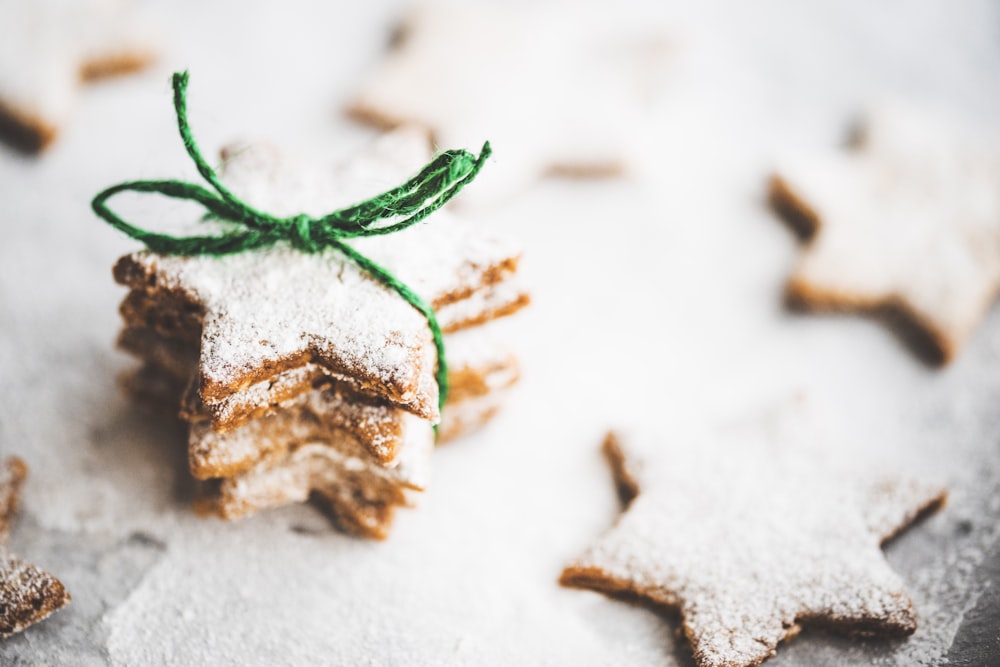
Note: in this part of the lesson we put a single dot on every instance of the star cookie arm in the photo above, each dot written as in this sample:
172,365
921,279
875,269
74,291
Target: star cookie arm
839,268
891,504
27,594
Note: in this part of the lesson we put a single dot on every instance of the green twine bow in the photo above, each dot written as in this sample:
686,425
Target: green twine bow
435,184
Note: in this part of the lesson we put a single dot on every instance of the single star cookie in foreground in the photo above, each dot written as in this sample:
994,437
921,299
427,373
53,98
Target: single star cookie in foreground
27,594
556,94
48,48
750,541
905,222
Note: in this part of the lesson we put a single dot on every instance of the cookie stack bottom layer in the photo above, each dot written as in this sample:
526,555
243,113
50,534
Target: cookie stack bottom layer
274,443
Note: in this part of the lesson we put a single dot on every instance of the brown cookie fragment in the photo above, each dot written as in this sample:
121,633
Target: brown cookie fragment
27,593
750,541
12,476
904,224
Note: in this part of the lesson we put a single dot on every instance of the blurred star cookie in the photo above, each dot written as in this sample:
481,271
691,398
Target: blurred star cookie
27,594
749,541
554,95
905,221
48,48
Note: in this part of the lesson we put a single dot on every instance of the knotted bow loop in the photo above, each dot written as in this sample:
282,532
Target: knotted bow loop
249,229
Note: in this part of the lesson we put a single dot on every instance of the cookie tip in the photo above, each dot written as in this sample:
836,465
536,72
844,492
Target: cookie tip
792,209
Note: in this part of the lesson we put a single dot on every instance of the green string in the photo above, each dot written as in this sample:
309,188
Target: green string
440,180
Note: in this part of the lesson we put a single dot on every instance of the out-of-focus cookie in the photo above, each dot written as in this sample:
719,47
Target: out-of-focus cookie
750,541
48,48
27,593
553,94
904,222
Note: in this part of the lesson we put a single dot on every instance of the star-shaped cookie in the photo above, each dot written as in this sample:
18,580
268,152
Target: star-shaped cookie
27,594
48,48
278,310
905,221
749,541
552,94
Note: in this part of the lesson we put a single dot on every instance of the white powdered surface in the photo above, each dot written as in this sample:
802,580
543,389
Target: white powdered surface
654,297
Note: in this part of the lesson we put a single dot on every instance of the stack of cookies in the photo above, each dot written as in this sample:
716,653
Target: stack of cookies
301,376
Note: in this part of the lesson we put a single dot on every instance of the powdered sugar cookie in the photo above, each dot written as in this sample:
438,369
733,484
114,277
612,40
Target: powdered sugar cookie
27,594
47,48
331,313
310,338
749,541
360,424
906,220
557,95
